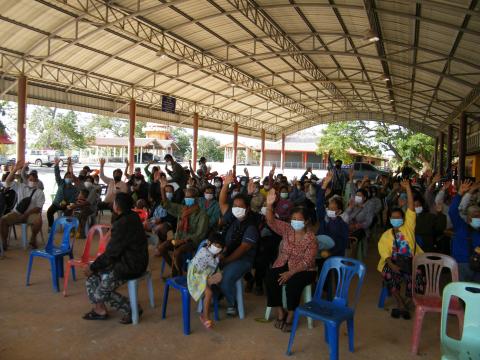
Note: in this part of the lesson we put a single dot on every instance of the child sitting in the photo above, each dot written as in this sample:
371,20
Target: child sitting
202,277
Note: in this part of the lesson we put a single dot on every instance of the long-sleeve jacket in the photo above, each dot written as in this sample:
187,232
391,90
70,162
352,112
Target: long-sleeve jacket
127,251
67,193
178,175
112,187
465,238
362,215
197,222
212,208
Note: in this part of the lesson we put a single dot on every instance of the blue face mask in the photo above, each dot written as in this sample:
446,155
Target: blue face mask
68,181
189,201
169,195
475,223
396,223
297,224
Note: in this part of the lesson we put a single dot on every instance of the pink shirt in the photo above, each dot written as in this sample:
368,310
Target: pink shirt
299,253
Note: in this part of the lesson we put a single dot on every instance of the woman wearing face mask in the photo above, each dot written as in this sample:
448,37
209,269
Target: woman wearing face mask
192,226
397,247
360,214
218,183
66,194
210,205
295,264
466,238
138,187
241,237
284,206
430,225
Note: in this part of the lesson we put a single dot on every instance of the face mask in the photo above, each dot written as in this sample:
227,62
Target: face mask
297,224
331,214
266,187
358,199
264,211
117,178
68,181
239,212
299,188
419,210
189,201
243,183
284,195
475,223
234,193
169,163
208,196
214,250
169,195
88,184
138,182
396,223
32,184
189,186
218,184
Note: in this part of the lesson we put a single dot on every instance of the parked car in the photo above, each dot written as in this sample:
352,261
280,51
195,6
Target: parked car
364,169
5,160
146,157
40,157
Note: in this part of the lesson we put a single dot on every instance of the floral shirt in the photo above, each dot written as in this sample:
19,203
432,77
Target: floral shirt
300,254
400,246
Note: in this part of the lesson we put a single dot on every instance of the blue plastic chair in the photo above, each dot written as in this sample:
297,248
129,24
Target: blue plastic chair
383,296
54,253
179,283
238,297
133,292
334,312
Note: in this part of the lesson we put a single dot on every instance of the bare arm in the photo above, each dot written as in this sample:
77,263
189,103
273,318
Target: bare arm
408,188
104,178
223,199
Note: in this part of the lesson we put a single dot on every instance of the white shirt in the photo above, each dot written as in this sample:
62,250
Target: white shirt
23,191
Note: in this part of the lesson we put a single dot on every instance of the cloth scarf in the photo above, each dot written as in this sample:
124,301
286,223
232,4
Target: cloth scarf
186,212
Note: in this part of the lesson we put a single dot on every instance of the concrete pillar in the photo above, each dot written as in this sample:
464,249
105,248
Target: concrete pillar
21,117
282,155
262,154
131,135
305,158
141,155
441,158
449,147
195,141
462,146
235,143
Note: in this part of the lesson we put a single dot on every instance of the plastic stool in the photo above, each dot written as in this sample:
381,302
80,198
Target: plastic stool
307,297
133,291
383,296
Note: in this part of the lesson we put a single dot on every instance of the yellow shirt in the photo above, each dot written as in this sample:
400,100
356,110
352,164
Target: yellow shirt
385,243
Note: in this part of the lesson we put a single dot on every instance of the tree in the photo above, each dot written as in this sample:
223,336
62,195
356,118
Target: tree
58,131
372,138
115,127
183,141
209,147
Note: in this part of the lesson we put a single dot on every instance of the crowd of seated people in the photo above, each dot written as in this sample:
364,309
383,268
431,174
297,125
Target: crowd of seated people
273,233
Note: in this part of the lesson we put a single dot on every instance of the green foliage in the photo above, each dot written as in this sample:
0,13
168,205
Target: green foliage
209,147
115,127
183,140
371,138
58,131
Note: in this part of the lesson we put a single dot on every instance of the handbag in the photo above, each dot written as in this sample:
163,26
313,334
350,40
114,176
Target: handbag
404,262
23,204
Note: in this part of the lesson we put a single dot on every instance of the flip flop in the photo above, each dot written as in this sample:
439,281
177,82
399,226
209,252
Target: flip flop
92,315
287,327
279,323
406,315
208,324
396,313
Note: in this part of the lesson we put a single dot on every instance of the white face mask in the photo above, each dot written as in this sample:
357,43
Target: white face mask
358,199
189,186
208,196
419,210
243,183
214,250
169,195
169,163
331,214
32,184
264,211
88,185
234,193
284,195
218,184
266,187
239,212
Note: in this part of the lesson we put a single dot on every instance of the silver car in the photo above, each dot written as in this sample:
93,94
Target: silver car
365,169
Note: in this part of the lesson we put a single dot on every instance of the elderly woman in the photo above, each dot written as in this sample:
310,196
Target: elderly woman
295,265
397,247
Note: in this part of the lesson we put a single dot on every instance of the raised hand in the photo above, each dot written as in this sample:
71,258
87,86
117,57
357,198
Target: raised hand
102,162
69,160
245,171
56,161
250,187
309,169
446,185
465,186
19,165
228,178
475,187
405,184
271,197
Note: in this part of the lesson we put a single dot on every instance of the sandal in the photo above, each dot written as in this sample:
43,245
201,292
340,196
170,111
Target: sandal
127,318
406,314
287,327
92,315
396,313
208,324
279,323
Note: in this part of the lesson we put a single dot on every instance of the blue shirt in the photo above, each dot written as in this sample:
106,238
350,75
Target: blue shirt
250,235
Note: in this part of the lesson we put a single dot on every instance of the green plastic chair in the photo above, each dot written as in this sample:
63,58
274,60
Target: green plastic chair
468,347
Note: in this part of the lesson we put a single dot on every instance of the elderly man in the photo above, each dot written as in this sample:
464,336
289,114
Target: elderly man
114,186
30,200
125,258
192,227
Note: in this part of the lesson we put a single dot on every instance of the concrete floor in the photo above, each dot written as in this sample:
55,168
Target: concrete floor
37,323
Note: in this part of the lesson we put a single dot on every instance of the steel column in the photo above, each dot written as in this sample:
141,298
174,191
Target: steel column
235,143
22,117
435,156
195,141
131,135
449,147
282,155
262,154
441,157
462,146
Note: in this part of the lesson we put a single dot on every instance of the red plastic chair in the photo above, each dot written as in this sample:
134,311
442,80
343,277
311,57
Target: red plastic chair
431,300
143,214
104,236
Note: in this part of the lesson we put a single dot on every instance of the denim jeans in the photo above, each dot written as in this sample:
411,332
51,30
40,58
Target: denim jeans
230,274
467,274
